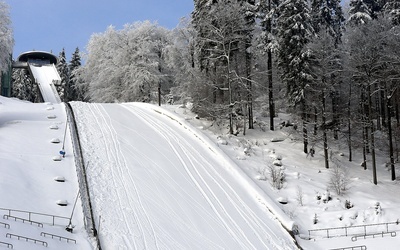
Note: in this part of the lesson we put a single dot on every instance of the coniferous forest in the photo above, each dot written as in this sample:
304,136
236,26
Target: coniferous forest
336,70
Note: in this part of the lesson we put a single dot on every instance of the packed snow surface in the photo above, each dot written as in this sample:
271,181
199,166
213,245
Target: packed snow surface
156,183
45,76
162,178
28,187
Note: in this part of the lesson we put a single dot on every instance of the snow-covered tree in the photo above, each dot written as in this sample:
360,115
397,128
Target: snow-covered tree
361,11
181,57
6,38
392,8
328,15
62,69
224,57
368,62
73,92
294,32
127,64
268,16
22,87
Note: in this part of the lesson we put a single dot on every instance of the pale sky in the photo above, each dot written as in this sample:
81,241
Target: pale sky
51,25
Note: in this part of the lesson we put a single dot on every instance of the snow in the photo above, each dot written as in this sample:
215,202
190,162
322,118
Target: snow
28,172
160,178
45,76
174,189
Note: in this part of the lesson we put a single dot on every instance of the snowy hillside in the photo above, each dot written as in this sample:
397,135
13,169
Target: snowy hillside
162,179
31,136
159,184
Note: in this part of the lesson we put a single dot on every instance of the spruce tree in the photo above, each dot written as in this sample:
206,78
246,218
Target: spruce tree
22,86
249,13
62,69
268,15
74,92
294,32
392,8
328,15
361,11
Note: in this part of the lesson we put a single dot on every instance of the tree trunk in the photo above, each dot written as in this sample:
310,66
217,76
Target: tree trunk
325,137
371,123
249,90
349,125
316,117
389,126
304,117
269,74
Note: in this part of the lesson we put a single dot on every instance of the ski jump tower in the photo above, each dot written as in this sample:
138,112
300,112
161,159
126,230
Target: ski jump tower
41,67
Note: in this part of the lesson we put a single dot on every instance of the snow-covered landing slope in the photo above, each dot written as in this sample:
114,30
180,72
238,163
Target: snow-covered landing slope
155,185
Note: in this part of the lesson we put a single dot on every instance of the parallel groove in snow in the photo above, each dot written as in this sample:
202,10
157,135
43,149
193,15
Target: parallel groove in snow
169,190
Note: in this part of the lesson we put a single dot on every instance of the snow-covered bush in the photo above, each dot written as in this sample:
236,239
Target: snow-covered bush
378,208
326,197
315,219
262,174
299,196
348,204
339,179
277,176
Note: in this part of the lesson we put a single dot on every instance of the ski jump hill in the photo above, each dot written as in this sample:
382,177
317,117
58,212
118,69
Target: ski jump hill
149,178
41,66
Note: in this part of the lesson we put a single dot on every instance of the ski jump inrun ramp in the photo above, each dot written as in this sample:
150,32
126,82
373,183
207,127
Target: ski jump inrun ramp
41,66
46,76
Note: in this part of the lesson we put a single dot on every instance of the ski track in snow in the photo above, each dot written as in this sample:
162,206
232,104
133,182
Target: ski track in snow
132,224
121,176
196,174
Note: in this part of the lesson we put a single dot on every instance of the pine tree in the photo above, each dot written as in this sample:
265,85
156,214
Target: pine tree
74,93
249,12
294,32
62,69
361,11
22,87
392,8
328,15
268,15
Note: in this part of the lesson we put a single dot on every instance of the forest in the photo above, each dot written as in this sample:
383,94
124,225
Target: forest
335,71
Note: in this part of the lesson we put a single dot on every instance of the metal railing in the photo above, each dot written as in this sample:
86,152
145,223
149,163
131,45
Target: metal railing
39,224
363,247
354,230
57,236
355,237
19,237
7,244
5,225
49,219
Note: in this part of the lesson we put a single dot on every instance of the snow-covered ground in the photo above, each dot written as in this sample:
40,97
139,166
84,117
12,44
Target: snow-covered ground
162,179
45,76
28,143
157,183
